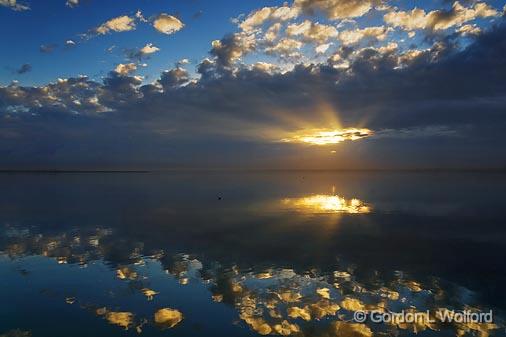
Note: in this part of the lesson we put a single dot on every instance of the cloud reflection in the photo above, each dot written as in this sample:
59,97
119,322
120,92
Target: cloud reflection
274,300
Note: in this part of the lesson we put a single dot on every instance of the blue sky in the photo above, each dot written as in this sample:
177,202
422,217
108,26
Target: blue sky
51,22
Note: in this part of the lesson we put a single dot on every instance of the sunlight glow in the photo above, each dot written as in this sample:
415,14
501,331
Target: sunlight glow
325,137
327,204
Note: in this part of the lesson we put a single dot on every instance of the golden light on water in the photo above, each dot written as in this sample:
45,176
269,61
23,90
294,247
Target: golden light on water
321,203
326,137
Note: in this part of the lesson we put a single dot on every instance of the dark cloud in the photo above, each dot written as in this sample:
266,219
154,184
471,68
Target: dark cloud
25,68
441,107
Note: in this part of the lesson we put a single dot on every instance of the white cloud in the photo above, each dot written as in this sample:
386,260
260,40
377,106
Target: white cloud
149,49
183,62
337,9
72,3
125,69
321,49
14,5
312,32
167,24
257,18
439,19
119,24
467,30
272,33
285,47
348,37
265,67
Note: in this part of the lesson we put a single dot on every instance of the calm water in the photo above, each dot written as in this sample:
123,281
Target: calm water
248,254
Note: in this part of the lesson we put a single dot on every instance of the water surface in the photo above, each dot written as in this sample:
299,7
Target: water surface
248,254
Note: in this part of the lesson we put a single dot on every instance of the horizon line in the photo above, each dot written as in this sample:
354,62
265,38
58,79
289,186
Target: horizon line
167,170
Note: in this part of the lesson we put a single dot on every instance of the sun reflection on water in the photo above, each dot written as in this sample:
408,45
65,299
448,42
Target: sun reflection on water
322,203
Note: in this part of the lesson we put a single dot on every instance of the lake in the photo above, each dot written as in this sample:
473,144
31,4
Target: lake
251,253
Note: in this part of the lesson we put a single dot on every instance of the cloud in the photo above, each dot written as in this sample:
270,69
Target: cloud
64,95
47,48
125,69
259,17
272,32
72,3
167,24
285,47
348,37
232,47
182,62
337,9
469,30
439,19
321,49
119,24
70,44
163,23
312,32
141,53
242,112
25,68
14,5
149,49
140,16
265,67
173,78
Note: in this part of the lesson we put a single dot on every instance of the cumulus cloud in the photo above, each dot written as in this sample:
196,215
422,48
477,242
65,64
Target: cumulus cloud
138,54
312,31
149,49
64,95
439,19
125,69
285,47
14,5
232,47
119,24
70,43
259,17
25,68
272,32
173,78
167,24
321,49
337,9
182,62
265,67
348,37
469,30
435,93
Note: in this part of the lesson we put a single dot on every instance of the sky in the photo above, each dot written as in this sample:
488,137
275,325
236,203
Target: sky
302,84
